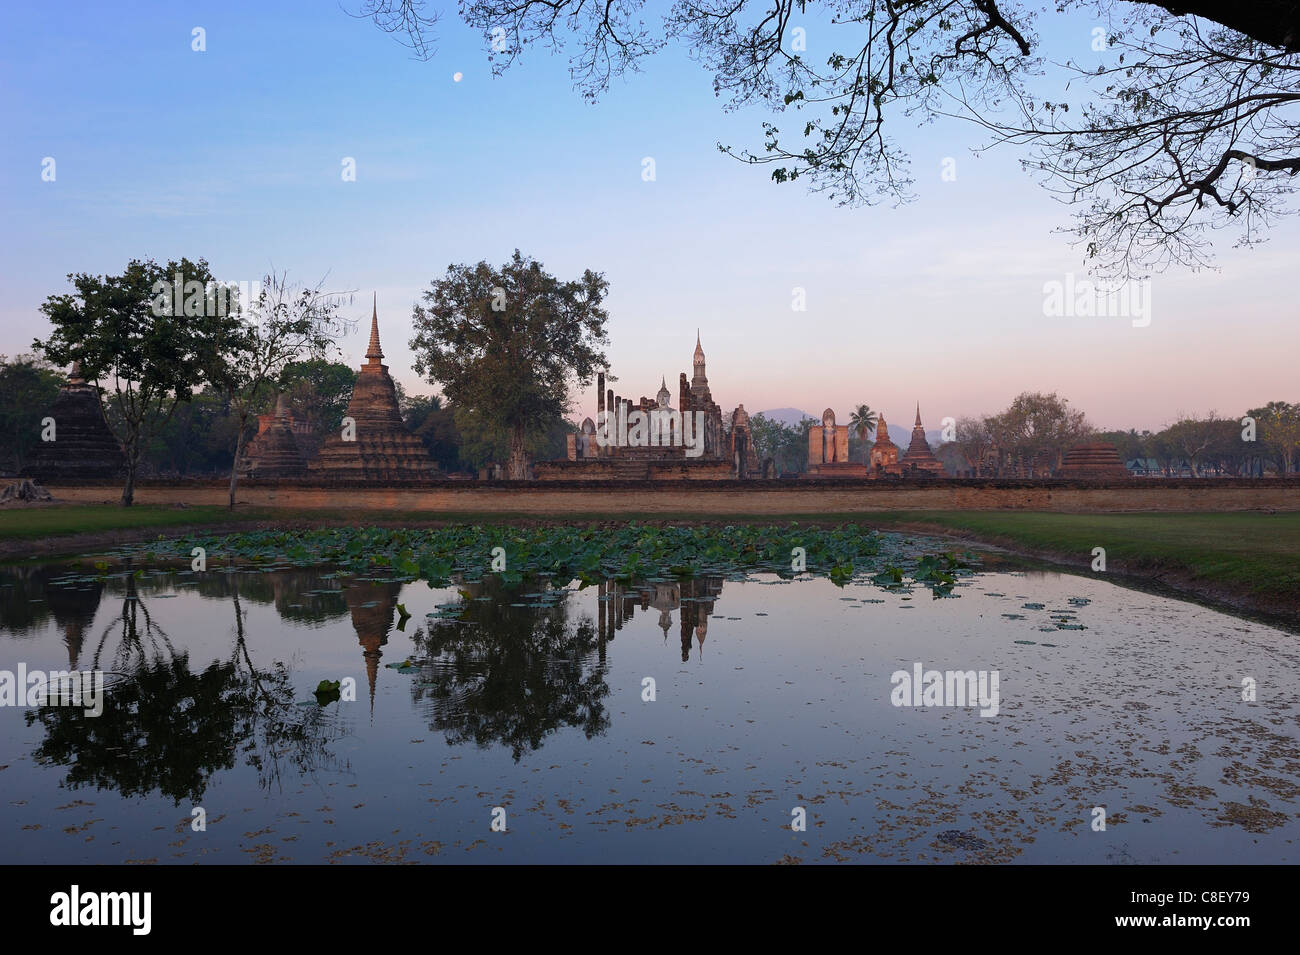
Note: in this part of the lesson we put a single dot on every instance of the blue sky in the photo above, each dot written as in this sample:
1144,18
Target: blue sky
235,153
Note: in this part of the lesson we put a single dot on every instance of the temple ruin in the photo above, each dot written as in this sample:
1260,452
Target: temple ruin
274,451
884,453
1098,461
650,439
828,451
83,447
919,460
373,444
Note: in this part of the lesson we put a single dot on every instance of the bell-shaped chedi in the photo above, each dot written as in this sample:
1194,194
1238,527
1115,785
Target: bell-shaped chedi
1098,461
83,446
274,452
375,446
919,459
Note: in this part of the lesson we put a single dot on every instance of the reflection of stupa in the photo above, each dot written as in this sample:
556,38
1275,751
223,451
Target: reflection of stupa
74,610
694,597
371,605
695,612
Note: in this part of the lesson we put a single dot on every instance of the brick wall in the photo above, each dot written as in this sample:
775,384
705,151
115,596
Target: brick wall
723,497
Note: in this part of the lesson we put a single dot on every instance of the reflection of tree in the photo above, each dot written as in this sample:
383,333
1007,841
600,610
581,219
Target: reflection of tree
285,729
510,675
301,595
168,729
135,627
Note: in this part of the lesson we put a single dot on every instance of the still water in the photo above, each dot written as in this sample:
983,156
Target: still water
773,701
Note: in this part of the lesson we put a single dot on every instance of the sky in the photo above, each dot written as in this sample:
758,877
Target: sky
235,154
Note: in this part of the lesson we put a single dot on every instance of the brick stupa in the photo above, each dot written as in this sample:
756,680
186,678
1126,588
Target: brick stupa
919,459
382,450
274,451
884,453
83,446
1096,462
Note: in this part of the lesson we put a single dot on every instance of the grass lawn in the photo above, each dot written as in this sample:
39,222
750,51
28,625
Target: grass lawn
35,522
1247,552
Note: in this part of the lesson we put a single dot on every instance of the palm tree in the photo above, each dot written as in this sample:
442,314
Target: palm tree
863,423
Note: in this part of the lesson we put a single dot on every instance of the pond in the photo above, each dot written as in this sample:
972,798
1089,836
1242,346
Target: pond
739,716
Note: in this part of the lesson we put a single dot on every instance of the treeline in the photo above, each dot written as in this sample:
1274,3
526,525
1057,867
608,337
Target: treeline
1031,437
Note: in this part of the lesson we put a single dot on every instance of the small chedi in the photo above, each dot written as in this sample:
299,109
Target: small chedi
919,461
884,453
650,439
274,451
377,447
83,446
828,451
1098,461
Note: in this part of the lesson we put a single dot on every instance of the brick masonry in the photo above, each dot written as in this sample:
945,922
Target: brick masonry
741,498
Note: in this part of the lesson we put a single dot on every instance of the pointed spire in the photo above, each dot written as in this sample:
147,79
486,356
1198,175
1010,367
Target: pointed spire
699,350
374,353
918,414
75,376
281,406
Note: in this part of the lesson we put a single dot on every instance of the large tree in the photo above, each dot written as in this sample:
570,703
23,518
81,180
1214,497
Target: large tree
150,336
507,344
1034,433
1193,438
1179,116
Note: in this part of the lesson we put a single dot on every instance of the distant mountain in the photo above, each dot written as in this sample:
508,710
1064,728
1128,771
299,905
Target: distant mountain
787,416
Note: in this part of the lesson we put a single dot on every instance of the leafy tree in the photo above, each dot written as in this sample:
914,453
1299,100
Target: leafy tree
1193,438
318,392
1161,447
480,442
155,332
974,442
1129,443
197,439
786,445
1278,427
1180,123
1034,433
28,386
506,344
